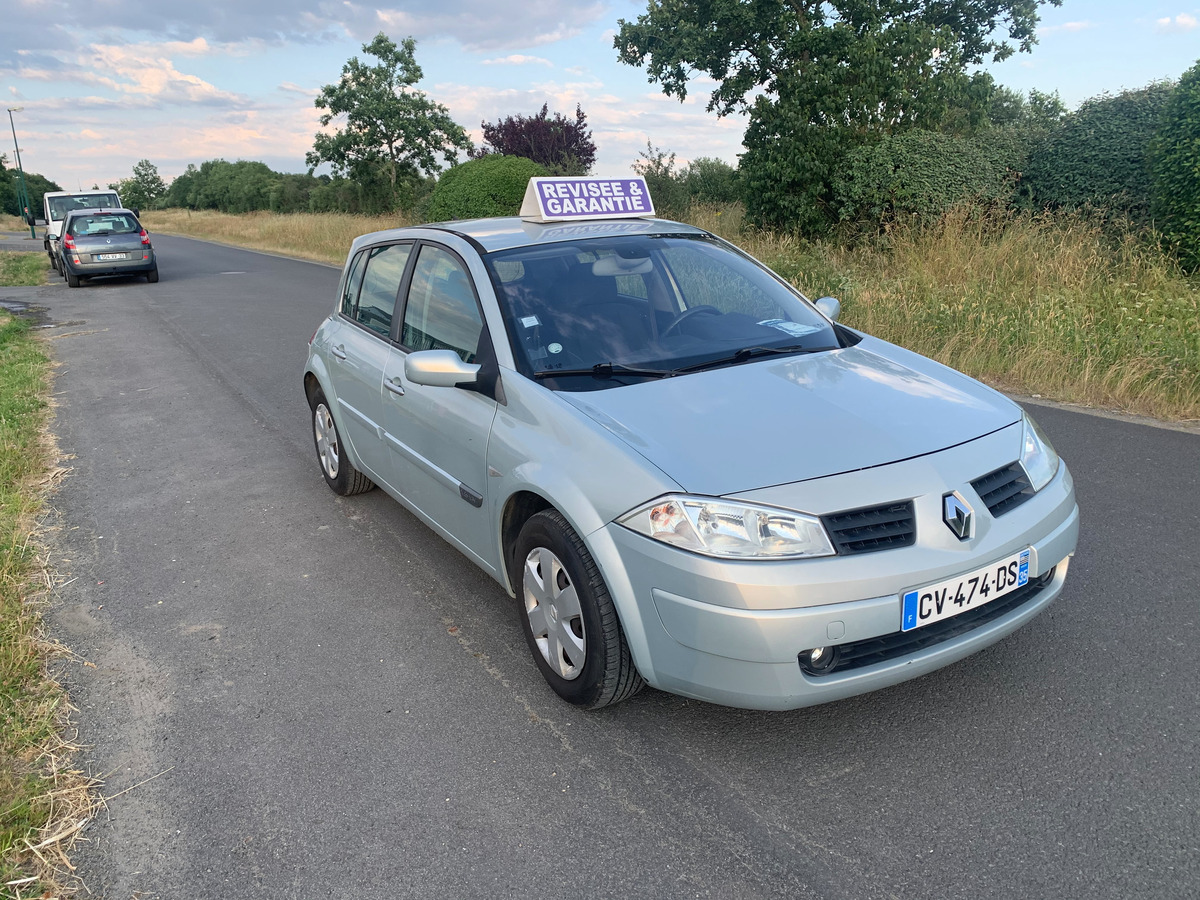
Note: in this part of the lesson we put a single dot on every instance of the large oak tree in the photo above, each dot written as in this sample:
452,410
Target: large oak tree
819,76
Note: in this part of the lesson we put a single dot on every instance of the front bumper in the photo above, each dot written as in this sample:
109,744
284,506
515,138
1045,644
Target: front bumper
731,632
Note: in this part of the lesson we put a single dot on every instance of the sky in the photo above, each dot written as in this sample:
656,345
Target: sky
179,83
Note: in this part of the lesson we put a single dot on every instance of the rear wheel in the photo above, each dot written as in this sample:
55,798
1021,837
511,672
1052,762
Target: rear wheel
72,278
152,276
568,617
341,477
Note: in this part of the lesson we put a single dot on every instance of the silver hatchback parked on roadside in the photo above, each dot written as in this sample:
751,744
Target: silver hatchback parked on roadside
686,473
97,242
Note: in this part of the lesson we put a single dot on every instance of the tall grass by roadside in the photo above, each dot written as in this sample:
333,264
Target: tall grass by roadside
12,223
325,237
1046,305
22,268
36,790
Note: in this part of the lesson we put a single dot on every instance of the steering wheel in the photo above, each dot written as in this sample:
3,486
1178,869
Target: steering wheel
687,314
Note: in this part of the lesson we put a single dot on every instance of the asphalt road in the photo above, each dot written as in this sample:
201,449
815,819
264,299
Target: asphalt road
336,704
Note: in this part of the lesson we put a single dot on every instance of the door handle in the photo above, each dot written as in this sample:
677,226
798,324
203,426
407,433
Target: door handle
395,386
339,351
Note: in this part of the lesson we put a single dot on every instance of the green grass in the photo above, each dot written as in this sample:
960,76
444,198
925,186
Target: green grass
1047,305
29,702
22,268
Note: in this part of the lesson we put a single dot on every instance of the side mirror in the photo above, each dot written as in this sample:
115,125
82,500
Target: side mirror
439,368
830,308
137,213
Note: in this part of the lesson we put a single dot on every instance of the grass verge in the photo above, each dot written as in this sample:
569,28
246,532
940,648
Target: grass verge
1040,305
43,803
22,268
325,237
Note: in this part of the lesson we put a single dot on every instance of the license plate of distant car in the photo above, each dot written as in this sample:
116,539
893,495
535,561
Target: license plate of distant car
955,596
107,256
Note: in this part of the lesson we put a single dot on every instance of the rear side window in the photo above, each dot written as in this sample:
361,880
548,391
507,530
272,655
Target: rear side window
441,313
380,285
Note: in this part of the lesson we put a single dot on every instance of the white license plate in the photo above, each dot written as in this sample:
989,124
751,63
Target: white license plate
106,256
949,598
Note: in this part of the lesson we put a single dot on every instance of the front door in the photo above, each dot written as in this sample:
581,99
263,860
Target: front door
438,436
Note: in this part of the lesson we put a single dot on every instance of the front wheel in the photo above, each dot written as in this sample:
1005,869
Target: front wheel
340,475
568,617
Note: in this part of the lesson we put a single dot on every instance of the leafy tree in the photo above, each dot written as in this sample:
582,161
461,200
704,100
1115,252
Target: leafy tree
1175,168
710,180
389,126
1098,155
667,187
819,78
492,185
563,146
35,184
145,187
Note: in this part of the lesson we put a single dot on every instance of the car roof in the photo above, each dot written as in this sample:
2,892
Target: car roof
96,210
509,232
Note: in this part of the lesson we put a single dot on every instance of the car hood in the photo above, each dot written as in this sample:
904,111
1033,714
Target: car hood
779,421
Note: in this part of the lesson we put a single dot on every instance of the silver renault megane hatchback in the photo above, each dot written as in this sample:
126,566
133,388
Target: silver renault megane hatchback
687,474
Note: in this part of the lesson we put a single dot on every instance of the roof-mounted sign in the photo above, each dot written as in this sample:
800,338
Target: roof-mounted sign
576,199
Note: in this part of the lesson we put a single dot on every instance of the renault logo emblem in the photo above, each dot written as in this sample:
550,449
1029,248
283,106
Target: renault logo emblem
959,516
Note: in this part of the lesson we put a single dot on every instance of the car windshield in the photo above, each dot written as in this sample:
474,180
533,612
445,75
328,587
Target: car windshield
84,225
60,206
592,314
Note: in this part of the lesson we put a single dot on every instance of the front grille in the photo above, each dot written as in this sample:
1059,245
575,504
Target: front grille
1003,490
871,651
872,528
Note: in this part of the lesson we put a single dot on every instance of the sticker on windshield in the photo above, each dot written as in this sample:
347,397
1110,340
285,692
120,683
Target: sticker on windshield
530,321
795,329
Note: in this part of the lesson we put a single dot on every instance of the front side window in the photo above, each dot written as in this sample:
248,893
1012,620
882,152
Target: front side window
441,312
380,285
664,304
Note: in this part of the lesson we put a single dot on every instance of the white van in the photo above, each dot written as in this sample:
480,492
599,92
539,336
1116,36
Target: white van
58,203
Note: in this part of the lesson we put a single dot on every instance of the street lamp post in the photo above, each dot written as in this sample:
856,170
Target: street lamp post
23,200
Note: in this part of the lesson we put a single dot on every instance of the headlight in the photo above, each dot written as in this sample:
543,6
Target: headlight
730,530
1038,457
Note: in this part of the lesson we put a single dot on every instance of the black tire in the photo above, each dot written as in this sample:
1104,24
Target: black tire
340,475
72,278
152,276
592,667
53,262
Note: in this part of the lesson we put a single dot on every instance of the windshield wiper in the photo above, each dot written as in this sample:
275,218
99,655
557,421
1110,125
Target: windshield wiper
607,370
746,353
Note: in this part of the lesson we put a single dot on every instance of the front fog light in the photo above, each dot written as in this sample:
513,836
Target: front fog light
819,660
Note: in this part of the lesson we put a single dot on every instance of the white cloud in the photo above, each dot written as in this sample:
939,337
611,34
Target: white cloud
1181,23
1067,27
517,59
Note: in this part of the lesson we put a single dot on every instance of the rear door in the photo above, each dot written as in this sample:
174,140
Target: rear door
359,349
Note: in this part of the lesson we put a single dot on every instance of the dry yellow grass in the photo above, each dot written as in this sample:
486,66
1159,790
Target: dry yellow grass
1035,305
12,223
325,237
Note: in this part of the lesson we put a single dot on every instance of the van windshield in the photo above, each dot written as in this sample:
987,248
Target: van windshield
60,206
